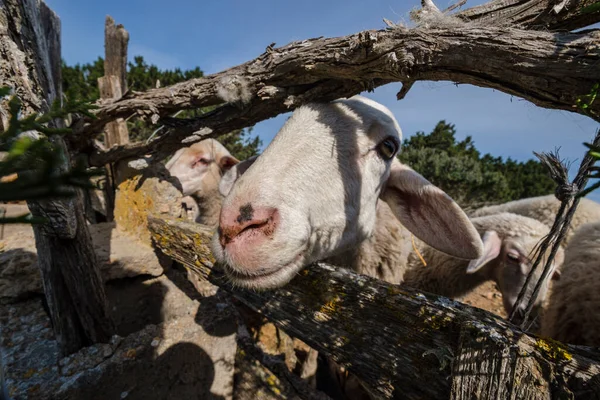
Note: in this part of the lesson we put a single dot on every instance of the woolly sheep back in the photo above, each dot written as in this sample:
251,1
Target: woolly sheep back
572,312
544,209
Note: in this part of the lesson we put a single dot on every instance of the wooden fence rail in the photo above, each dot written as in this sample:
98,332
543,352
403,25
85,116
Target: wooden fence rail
401,342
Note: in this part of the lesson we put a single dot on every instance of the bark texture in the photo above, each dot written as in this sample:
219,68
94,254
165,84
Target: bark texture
112,86
480,46
400,342
114,82
548,15
30,49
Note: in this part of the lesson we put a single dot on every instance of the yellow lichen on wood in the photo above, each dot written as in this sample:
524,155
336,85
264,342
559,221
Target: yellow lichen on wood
331,306
433,320
553,349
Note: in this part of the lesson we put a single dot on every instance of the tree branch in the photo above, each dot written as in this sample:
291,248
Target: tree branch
551,70
550,15
396,338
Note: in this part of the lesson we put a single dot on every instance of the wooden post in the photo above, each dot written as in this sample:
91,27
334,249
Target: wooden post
30,36
112,86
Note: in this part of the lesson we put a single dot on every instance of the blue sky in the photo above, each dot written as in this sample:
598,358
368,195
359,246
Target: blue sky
215,35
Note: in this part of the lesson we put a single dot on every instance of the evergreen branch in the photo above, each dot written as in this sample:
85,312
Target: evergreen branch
29,168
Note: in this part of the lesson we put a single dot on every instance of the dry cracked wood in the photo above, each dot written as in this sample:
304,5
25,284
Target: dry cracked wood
548,15
30,50
402,343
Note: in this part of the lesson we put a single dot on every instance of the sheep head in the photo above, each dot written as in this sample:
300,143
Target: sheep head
313,194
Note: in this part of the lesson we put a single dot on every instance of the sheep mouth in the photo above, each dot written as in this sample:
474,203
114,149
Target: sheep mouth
265,279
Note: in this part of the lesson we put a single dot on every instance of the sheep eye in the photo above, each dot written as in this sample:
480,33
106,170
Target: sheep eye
387,149
202,161
513,257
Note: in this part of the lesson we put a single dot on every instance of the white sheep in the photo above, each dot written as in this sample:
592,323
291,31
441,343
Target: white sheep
509,241
544,209
572,310
199,169
313,194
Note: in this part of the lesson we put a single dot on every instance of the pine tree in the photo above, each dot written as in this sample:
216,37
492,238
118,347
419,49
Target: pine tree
467,176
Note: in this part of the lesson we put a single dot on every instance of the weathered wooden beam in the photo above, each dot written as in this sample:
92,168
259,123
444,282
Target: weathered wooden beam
548,15
30,36
115,132
112,86
401,342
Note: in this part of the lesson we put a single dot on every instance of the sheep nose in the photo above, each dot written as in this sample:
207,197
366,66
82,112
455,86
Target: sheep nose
245,221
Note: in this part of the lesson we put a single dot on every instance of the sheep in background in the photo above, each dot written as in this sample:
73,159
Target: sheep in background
199,169
313,195
544,209
572,310
509,241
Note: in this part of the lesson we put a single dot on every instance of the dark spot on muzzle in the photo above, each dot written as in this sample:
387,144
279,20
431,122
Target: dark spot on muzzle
246,213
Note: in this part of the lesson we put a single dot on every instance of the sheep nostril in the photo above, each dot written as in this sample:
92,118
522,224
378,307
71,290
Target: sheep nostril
261,221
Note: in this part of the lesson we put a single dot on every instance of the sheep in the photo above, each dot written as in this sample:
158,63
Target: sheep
509,241
199,169
313,194
570,313
544,209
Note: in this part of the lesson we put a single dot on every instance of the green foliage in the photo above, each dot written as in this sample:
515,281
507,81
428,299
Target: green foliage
141,76
81,82
592,8
584,102
240,144
460,170
33,168
594,171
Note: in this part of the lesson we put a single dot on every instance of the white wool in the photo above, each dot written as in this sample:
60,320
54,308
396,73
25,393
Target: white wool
571,313
448,276
544,209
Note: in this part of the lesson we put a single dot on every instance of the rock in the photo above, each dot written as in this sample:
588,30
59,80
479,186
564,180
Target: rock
28,349
151,192
120,256
188,353
98,196
19,274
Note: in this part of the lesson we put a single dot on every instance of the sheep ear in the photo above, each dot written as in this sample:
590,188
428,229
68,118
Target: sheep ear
430,214
227,162
233,173
491,249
